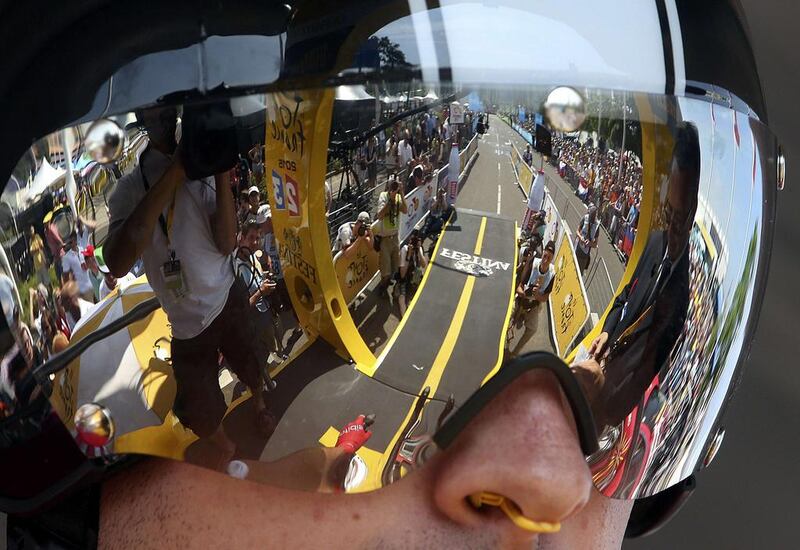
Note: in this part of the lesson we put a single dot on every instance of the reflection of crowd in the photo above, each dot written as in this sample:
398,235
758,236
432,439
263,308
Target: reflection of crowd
595,176
694,356
408,154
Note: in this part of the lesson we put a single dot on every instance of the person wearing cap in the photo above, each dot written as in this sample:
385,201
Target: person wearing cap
74,267
391,204
532,292
350,232
92,269
254,203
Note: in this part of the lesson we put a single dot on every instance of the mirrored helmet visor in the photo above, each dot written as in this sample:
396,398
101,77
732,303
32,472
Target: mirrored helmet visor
392,244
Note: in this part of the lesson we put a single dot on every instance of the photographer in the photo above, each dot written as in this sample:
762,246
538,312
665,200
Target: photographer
185,231
259,285
412,264
437,216
350,232
532,293
390,204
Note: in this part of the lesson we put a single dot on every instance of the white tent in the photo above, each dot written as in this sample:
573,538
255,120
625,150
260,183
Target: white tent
352,93
45,177
431,96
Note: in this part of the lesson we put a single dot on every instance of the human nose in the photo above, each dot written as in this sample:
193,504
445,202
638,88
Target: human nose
522,446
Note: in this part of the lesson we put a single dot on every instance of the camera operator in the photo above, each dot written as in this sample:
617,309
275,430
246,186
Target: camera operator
185,231
532,293
390,204
412,264
350,232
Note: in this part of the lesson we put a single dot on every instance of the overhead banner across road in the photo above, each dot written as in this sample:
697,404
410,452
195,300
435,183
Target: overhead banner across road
569,307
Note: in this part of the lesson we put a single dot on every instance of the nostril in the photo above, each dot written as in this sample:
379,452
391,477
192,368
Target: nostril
513,512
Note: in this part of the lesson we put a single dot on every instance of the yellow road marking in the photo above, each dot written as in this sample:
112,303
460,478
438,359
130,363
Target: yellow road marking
436,371
502,346
369,370
481,231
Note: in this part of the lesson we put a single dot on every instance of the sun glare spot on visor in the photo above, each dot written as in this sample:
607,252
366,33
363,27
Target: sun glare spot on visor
335,272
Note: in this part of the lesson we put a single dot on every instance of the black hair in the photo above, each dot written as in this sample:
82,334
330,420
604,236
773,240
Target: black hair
252,225
551,246
686,151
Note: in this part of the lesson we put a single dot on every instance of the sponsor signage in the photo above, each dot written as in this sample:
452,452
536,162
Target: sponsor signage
355,271
569,308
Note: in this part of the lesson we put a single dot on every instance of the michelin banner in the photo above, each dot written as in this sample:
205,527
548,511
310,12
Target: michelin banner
569,307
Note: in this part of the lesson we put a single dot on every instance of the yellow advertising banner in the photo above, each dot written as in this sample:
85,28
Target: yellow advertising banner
356,269
524,172
569,307
296,143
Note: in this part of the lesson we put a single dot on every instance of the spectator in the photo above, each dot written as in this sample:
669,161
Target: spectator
392,154
405,151
253,203
527,156
54,243
390,204
109,282
36,247
259,286
74,307
73,266
531,294
415,178
350,232
412,263
280,300
586,238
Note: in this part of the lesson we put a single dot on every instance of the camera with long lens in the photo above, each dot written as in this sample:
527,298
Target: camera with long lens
215,134
362,230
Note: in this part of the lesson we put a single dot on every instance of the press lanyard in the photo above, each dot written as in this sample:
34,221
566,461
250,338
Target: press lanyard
166,224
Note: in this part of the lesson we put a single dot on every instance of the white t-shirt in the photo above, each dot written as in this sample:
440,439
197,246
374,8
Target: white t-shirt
585,232
405,151
83,238
72,262
208,274
544,279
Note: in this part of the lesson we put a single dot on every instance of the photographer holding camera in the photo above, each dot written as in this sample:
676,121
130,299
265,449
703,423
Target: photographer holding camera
533,292
412,264
390,204
350,232
184,228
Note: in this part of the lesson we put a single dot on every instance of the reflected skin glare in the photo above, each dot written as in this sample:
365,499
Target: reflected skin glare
523,444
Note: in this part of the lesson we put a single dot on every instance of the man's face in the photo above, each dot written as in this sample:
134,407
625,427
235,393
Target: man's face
161,123
254,199
523,445
547,257
678,210
251,240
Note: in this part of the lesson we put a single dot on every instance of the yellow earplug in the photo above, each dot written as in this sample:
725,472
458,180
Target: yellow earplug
513,512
